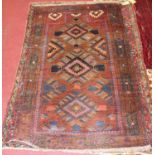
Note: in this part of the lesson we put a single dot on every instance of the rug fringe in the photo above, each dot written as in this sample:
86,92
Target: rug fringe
55,3
144,150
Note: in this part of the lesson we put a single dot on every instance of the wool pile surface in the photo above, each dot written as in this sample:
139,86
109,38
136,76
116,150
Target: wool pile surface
144,20
81,82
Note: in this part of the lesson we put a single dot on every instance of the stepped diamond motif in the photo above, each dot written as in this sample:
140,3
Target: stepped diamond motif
76,108
55,16
77,67
76,31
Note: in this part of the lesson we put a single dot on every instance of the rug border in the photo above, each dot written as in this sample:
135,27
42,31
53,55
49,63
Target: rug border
18,73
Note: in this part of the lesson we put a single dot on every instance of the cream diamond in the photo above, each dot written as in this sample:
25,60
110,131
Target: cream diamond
77,67
76,108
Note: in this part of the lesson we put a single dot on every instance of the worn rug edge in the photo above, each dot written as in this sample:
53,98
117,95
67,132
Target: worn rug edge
139,149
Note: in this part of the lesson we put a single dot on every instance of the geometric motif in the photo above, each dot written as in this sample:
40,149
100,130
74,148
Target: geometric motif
55,16
55,68
52,88
76,108
74,66
102,88
126,83
75,14
76,31
132,123
77,67
98,46
99,67
101,47
53,49
120,47
96,13
38,30
77,64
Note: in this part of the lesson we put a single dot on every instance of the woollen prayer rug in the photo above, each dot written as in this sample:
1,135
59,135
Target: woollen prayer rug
81,83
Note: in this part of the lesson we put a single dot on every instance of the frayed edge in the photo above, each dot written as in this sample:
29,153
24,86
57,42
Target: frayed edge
55,3
144,150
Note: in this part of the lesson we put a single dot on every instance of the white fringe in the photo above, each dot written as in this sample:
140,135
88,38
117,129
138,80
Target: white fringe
125,150
122,2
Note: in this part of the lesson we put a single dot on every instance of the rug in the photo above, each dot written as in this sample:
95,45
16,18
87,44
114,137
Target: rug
81,83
